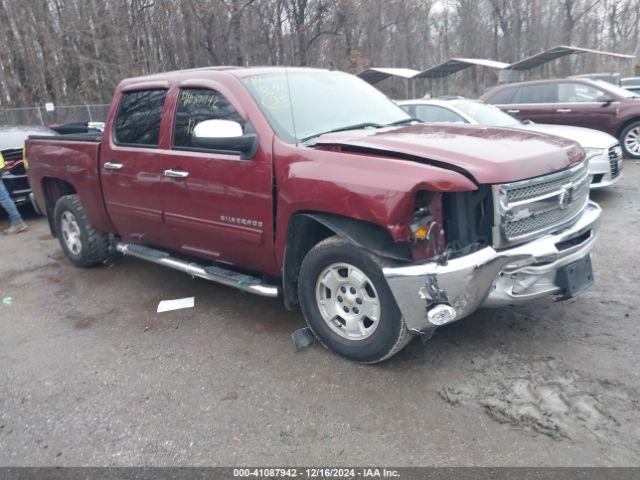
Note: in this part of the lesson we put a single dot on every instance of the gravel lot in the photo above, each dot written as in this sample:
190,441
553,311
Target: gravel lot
91,375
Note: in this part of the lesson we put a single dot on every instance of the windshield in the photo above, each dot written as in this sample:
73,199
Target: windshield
488,114
303,104
618,91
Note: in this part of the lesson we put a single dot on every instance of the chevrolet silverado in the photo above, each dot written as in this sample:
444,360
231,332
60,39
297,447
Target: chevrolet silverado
312,186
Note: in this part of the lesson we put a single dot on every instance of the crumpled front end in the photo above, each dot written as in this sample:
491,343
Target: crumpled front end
543,235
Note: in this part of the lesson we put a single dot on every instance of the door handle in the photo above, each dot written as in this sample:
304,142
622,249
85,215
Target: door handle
176,173
563,110
513,111
113,166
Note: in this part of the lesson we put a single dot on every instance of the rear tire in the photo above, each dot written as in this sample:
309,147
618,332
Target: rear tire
83,245
630,140
347,303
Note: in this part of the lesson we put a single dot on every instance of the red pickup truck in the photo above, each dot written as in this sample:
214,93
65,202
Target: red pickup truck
313,186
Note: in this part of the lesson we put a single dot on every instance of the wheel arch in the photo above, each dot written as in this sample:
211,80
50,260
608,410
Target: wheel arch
625,124
54,189
307,229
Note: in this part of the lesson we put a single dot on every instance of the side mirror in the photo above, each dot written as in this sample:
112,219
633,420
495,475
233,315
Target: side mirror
606,99
225,136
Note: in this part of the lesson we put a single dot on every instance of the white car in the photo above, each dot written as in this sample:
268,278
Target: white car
603,150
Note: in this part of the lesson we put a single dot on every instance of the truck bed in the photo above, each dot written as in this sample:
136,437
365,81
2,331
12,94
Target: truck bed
71,160
71,137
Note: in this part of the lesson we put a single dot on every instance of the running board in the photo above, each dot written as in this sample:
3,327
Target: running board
217,274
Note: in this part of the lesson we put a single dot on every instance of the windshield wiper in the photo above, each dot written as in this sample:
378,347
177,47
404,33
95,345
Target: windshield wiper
357,126
403,121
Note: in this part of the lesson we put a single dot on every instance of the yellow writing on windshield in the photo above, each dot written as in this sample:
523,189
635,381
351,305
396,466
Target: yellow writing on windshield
199,99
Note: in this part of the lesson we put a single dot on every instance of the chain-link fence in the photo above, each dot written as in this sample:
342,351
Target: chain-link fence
60,114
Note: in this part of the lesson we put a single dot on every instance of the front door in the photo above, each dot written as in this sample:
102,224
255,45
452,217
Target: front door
216,205
578,105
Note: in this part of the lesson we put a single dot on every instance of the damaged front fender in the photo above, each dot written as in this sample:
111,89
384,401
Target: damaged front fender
365,235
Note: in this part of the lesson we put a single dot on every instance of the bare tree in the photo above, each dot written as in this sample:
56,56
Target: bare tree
71,51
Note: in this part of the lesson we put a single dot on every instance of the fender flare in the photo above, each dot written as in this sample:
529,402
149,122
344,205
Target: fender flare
361,233
364,235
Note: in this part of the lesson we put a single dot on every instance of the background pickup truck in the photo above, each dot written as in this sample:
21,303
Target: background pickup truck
313,186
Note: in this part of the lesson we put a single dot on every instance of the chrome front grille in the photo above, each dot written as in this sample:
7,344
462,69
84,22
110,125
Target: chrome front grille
531,208
615,155
535,190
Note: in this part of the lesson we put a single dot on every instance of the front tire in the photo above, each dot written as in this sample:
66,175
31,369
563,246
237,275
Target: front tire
83,245
347,303
630,140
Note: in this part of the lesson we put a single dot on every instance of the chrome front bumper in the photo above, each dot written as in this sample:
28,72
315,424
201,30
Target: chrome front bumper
603,171
432,294
606,181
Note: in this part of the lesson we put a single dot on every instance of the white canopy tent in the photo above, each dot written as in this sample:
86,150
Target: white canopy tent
558,52
506,72
454,65
375,75
515,71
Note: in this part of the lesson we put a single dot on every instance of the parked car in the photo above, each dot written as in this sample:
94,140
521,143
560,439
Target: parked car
603,151
13,173
632,84
572,101
312,185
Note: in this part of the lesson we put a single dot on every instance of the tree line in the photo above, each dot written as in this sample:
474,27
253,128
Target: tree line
70,51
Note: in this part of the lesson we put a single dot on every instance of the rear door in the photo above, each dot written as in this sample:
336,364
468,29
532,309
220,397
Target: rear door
130,174
532,102
219,206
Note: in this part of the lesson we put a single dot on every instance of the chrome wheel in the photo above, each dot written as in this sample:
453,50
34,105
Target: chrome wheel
348,301
632,141
71,232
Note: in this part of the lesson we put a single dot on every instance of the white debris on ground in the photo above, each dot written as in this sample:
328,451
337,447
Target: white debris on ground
177,304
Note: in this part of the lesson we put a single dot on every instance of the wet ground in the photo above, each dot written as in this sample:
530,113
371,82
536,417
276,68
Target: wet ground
91,375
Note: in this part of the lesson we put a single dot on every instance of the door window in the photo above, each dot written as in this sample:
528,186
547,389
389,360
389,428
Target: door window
432,113
138,119
578,93
503,97
541,93
410,109
196,105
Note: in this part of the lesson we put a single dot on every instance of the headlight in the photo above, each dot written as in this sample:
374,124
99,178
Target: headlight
24,159
594,152
422,224
427,237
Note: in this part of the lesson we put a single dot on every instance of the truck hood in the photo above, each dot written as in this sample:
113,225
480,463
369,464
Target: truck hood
586,137
487,154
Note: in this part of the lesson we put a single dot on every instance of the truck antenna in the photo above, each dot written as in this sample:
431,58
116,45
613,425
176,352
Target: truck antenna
293,118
